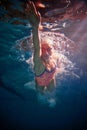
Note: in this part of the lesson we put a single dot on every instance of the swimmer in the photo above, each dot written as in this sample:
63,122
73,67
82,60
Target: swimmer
44,62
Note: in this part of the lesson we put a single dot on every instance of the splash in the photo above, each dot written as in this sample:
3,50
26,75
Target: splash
48,99
64,49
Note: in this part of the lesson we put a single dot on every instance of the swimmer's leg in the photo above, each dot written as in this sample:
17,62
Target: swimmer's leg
39,88
51,86
43,89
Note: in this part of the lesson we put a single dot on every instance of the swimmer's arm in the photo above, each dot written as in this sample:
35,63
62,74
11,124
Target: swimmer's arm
36,41
38,64
35,19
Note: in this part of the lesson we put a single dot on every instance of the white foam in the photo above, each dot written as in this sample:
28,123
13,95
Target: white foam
30,85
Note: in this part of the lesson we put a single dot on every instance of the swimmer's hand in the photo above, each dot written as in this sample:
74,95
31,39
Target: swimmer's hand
33,15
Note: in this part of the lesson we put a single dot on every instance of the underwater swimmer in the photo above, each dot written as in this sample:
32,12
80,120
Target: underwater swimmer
44,63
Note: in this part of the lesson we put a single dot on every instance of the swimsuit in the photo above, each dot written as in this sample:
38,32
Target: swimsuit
45,77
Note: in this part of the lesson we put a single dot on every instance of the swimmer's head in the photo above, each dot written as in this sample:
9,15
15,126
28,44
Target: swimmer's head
46,48
47,52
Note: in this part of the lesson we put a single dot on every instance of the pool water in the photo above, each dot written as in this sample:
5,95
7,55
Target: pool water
22,107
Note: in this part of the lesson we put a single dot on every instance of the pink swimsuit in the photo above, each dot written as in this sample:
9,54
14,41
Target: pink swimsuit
45,78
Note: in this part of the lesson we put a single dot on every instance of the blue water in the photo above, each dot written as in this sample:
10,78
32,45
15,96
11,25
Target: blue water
25,111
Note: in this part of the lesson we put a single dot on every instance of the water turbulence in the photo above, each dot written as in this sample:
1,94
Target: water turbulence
64,49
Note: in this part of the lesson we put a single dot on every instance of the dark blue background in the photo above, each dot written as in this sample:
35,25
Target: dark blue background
19,107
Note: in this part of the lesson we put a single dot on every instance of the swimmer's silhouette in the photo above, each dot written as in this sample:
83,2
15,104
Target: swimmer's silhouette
44,62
